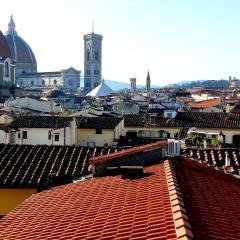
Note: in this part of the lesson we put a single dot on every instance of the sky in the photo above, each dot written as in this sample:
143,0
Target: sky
176,40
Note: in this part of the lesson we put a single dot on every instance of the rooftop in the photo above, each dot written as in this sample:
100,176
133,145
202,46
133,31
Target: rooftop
206,103
187,119
41,122
176,198
98,122
43,166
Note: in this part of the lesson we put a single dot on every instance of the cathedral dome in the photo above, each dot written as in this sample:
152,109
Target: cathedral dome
4,48
20,51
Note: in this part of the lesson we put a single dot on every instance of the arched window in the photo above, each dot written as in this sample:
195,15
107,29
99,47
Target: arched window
6,69
55,82
88,55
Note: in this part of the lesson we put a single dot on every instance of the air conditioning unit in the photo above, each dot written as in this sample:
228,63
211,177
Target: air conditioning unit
174,147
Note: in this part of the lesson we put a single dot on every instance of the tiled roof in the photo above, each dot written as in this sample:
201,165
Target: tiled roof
206,103
187,119
102,208
41,122
127,152
44,166
137,120
211,200
176,199
4,48
212,92
217,158
98,122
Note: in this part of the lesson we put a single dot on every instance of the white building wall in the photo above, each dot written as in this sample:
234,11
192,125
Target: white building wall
42,106
86,137
3,137
34,136
40,136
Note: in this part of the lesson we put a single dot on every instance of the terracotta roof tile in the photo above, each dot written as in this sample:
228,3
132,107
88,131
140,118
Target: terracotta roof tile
187,120
41,122
4,48
44,166
127,152
206,103
101,208
177,199
98,122
210,198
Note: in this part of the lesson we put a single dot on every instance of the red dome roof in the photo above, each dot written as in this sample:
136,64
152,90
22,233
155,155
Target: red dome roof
4,48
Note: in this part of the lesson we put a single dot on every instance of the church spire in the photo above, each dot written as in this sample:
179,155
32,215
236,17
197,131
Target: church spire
148,82
11,27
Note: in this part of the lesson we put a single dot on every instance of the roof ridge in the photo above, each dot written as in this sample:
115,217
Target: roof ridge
180,217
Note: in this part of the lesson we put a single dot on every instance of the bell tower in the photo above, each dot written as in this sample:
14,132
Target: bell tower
148,82
92,61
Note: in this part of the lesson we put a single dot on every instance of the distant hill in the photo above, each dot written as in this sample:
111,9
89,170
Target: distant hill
202,83
115,85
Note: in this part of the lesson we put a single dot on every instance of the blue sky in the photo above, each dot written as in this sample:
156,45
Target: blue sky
176,40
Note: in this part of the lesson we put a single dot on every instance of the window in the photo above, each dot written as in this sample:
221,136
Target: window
98,131
96,72
32,82
88,72
169,115
55,82
43,82
56,137
49,135
96,56
24,134
19,135
6,69
88,55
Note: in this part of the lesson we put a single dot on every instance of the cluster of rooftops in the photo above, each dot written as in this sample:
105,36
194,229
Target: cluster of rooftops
182,119
110,193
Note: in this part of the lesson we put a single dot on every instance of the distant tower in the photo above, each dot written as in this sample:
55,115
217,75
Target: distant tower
133,84
92,61
148,82
233,83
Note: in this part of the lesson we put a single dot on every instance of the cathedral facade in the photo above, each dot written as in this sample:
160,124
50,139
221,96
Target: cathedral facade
24,66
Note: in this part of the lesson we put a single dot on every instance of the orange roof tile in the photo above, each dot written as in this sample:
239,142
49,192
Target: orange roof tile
127,152
206,103
100,208
178,199
211,200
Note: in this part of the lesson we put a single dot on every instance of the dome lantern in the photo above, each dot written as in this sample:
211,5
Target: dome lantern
11,27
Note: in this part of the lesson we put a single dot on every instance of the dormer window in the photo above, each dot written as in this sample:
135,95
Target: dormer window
6,69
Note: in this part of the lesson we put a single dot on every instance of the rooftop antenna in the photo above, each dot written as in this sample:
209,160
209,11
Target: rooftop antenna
92,26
